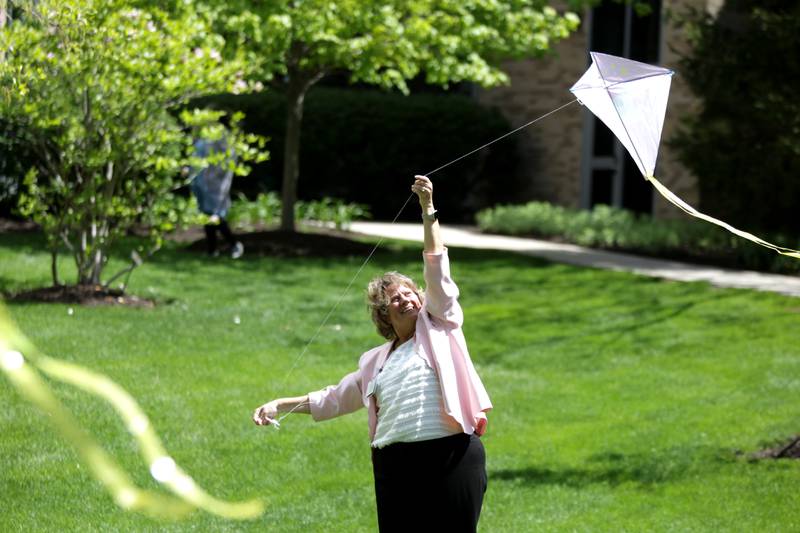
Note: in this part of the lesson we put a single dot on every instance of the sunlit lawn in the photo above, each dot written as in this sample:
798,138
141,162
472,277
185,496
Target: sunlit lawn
622,403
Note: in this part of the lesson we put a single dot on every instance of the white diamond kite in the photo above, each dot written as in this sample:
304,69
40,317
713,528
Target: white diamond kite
631,99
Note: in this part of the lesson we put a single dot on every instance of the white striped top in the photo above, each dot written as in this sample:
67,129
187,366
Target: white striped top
409,398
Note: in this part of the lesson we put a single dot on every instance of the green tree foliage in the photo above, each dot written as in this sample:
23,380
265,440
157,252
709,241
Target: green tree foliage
385,43
744,144
91,88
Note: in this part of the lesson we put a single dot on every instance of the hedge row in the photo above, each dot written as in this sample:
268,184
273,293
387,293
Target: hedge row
618,229
364,146
266,209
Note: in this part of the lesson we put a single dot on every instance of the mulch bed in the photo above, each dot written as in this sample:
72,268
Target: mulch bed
81,295
788,450
323,242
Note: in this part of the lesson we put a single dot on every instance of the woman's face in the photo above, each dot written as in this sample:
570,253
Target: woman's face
404,306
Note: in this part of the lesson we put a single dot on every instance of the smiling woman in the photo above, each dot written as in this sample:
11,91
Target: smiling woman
427,406
394,302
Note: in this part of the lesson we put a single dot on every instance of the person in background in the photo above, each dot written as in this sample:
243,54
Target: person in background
212,187
426,404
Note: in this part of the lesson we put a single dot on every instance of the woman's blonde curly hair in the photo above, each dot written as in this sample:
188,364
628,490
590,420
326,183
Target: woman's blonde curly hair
378,301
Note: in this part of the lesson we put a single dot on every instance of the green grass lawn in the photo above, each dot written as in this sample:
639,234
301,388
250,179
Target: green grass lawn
622,403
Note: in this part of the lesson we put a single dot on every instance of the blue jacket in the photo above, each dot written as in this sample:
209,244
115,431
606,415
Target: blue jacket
212,184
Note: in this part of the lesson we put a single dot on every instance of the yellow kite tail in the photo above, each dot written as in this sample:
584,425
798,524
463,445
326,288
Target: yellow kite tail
672,198
21,370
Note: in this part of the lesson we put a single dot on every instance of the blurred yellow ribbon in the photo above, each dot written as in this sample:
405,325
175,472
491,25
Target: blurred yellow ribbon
676,201
22,363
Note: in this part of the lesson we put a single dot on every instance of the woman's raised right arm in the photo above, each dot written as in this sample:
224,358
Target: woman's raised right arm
423,188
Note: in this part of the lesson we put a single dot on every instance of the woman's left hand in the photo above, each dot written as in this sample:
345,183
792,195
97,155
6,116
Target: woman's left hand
423,188
267,414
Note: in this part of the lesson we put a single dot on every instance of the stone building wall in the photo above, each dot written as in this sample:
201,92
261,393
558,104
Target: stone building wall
682,102
551,149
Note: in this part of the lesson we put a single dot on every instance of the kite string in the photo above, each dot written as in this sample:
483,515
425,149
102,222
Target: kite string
292,410
341,297
534,121
380,241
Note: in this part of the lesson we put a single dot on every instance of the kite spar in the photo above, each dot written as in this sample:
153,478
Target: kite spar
631,99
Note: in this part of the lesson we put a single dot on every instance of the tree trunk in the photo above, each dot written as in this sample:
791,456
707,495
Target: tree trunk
89,259
295,95
54,267
80,260
97,266
299,82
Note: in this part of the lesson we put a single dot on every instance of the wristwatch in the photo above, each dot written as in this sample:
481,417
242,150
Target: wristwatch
431,217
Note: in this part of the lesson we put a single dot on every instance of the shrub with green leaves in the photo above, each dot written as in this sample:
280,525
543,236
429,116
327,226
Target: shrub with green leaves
266,210
89,88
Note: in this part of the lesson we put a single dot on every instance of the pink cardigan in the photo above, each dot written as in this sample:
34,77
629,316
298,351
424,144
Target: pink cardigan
439,338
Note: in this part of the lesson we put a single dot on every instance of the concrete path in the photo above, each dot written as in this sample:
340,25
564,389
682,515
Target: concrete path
469,237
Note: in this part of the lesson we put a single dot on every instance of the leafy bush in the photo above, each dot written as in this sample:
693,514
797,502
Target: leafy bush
618,229
266,209
88,86
331,210
365,146
15,159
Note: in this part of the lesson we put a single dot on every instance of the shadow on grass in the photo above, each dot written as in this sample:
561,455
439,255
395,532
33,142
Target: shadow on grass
613,468
644,317
24,241
487,273
10,285
391,255
617,313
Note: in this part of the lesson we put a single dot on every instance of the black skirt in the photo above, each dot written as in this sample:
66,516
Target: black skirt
434,484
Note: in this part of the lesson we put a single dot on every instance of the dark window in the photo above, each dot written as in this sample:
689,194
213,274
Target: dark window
645,34
618,30
603,140
602,185
637,193
608,28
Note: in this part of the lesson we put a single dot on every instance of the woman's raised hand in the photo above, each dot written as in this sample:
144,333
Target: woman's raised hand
423,188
